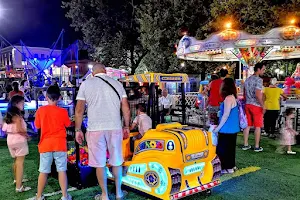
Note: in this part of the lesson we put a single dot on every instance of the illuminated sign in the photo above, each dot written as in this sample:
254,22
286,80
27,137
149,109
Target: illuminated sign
193,168
150,145
170,145
195,156
136,182
212,45
170,78
270,41
195,48
250,42
137,169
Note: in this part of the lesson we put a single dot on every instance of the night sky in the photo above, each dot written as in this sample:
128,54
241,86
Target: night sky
35,22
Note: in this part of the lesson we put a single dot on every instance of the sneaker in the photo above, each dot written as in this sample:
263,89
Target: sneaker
41,198
245,148
264,134
258,149
291,152
227,171
69,197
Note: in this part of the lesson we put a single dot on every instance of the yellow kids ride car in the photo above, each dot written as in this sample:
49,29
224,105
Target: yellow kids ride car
171,162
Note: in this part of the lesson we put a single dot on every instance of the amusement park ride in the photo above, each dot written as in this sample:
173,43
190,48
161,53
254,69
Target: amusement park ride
233,45
38,70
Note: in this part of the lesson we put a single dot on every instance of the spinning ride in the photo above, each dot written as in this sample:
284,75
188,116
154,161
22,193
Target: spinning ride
233,45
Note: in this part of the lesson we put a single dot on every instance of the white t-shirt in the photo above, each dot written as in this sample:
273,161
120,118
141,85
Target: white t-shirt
144,123
103,104
165,102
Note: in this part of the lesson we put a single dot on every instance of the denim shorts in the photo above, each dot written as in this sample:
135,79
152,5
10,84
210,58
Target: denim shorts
46,160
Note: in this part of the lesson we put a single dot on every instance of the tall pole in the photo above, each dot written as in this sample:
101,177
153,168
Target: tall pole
240,70
183,103
77,63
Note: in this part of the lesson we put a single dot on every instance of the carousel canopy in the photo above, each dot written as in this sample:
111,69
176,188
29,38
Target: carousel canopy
233,45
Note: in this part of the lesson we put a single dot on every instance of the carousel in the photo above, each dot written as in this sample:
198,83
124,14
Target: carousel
247,49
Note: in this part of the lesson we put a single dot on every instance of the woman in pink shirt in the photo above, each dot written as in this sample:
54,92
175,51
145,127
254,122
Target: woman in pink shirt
15,128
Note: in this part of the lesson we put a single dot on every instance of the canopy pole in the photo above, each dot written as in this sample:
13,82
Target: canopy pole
240,70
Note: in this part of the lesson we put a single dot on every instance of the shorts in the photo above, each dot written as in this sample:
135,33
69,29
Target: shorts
254,115
18,150
101,141
46,160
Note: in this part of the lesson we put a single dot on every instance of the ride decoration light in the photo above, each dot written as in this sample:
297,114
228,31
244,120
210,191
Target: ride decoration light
293,21
192,169
163,184
228,25
290,33
249,42
229,35
182,64
194,190
136,182
137,169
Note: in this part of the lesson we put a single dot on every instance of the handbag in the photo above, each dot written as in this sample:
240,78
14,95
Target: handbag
242,116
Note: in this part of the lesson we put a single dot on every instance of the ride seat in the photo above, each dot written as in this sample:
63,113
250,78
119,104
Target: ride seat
127,154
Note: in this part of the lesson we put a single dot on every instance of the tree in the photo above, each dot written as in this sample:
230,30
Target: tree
110,27
160,25
253,16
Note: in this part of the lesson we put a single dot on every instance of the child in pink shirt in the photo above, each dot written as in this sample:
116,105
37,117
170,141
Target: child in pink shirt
15,128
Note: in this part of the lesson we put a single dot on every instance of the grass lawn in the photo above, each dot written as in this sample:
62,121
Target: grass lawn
278,178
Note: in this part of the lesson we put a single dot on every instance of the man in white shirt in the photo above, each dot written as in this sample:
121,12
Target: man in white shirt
104,97
165,104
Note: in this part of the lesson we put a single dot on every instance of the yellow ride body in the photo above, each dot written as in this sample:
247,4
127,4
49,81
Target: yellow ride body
171,162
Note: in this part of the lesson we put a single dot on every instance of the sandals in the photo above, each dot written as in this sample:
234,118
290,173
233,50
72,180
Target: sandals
23,189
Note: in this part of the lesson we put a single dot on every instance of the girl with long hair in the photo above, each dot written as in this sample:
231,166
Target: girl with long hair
16,130
228,126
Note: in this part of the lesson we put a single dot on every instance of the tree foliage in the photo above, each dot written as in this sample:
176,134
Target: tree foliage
253,16
110,27
144,32
160,24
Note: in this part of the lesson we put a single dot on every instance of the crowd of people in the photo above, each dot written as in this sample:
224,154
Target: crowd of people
261,110
106,129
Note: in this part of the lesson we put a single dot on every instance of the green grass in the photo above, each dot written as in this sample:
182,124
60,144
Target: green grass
279,177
